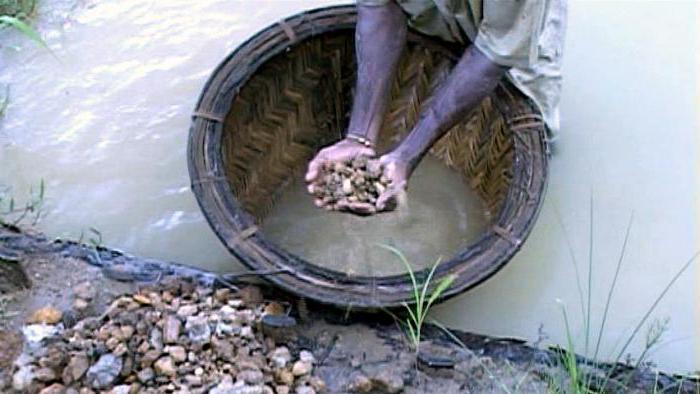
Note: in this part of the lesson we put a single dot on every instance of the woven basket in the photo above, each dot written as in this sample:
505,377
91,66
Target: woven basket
287,91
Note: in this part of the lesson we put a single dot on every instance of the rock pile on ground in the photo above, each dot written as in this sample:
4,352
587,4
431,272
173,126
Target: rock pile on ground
176,338
342,183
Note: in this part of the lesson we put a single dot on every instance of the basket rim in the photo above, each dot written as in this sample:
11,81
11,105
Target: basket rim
236,228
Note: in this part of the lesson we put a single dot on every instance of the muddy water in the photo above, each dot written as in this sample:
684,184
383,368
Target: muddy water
442,215
106,126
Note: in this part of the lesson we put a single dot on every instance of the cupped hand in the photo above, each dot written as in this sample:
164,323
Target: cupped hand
343,150
397,171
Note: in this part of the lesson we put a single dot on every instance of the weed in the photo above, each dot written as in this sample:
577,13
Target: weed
579,381
422,301
11,213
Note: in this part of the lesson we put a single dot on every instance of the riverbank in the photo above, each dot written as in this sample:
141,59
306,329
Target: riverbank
353,352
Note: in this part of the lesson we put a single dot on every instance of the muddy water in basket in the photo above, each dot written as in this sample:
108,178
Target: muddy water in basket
442,216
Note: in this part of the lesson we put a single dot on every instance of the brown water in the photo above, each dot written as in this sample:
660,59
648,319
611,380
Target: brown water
106,127
442,215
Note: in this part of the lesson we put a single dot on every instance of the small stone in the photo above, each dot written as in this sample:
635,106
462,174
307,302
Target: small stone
142,299
193,380
317,383
84,290
282,389
45,375
171,329
155,338
247,332
77,366
105,371
126,332
198,330
388,380
301,368
225,387
112,343
360,384
307,356
285,377
121,389
250,295
146,375
55,388
274,308
199,371
305,390
46,315
187,310
251,376
280,357
222,295
22,379
120,349
165,366
80,305
150,357
178,353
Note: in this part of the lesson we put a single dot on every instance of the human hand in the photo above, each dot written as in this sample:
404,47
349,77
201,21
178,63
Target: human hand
397,171
343,150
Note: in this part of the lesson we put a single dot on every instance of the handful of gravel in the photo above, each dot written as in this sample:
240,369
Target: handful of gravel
359,180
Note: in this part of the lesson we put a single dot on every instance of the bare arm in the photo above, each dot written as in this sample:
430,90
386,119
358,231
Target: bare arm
380,37
472,79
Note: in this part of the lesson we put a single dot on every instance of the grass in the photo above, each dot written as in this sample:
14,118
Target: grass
579,382
13,213
423,299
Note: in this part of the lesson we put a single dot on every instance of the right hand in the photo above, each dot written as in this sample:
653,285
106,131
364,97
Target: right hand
343,150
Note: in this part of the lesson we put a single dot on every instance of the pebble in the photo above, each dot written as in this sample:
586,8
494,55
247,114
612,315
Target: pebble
198,330
187,310
55,388
77,366
103,373
22,379
171,329
165,366
302,368
251,376
45,374
305,390
280,357
45,315
178,353
84,290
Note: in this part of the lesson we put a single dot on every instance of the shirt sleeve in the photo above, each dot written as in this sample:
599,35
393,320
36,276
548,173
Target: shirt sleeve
509,31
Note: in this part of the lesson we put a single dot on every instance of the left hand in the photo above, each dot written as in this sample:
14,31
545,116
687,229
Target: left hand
397,170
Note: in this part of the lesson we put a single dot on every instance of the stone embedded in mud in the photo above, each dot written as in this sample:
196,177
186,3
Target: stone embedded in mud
85,291
103,373
45,315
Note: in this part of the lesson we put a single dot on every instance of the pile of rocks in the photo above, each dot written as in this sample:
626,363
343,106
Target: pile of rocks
342,183
176,338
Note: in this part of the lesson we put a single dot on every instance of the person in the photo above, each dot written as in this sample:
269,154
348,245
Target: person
519,39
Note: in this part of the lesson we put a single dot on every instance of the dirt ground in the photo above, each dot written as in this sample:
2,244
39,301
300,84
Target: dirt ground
355,353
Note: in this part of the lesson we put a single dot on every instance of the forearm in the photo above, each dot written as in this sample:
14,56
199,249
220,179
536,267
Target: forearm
380,37
472,79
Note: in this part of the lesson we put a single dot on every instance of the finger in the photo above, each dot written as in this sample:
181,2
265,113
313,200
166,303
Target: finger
361,208
388,199
314,167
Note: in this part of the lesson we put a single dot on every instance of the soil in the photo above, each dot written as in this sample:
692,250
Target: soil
354,352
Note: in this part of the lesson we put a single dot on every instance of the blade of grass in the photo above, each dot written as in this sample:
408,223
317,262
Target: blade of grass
407,265
24,28
590,274
612,287
655,304
572,255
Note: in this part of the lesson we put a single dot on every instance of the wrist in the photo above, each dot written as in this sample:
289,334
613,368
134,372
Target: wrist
359,139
